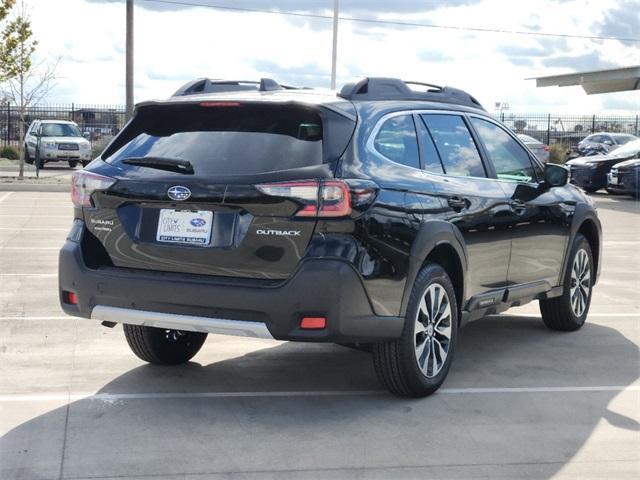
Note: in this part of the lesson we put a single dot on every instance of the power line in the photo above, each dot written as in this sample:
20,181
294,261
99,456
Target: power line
395,22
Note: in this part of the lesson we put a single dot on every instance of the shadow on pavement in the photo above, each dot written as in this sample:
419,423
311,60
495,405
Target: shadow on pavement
356,434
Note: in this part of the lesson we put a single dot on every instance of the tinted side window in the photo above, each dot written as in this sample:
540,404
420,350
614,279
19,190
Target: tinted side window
430,158
509,159
455,145
397,141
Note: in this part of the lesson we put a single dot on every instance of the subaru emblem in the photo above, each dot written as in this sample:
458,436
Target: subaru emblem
179,193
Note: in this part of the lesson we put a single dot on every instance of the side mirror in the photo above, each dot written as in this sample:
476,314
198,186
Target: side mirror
555,175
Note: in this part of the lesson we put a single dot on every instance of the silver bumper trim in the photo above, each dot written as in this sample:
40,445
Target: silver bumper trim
188,323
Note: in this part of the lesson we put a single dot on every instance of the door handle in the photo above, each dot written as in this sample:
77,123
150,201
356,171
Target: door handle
518,206
457,203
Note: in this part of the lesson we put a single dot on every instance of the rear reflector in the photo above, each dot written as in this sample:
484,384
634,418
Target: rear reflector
330,198
313,323
69,297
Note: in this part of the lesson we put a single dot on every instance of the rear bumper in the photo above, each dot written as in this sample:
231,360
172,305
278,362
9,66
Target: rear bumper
320,287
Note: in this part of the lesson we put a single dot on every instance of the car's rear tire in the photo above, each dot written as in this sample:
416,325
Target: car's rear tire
590,189
163,347
85,163
568,312
417,363
613,192
73,163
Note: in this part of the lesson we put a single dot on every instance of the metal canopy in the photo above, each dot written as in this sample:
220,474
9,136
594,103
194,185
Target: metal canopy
596,81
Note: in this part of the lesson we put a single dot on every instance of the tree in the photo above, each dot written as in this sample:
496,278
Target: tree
5,8
520,125
25,82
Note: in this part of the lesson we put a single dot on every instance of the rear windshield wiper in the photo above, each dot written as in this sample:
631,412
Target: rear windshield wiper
161,163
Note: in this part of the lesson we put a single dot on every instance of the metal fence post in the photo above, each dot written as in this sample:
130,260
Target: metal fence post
636,130
593,124
549,129
8,136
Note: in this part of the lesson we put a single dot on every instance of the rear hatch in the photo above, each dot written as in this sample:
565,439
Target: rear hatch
213,187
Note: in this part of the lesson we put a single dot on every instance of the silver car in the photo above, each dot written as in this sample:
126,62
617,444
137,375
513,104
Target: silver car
60,140
536,146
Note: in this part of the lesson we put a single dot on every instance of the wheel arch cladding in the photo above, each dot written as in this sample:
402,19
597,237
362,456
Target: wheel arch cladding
447,257
439,242
589,230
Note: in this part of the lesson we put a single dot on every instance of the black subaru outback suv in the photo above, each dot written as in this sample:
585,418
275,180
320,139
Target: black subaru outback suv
385,216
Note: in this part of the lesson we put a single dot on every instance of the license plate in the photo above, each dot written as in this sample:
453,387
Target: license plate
185,226
612,180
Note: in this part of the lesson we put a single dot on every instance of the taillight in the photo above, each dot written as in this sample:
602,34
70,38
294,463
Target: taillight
83,184
330,198
546,148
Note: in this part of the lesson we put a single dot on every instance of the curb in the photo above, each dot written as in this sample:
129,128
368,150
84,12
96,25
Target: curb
35,187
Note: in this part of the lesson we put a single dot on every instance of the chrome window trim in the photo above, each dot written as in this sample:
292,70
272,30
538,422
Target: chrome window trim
369,145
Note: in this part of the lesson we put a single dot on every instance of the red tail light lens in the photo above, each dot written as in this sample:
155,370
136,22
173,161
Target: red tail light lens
546,148
83,184
330,198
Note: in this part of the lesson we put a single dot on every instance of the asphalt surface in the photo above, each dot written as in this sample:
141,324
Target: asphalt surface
520,401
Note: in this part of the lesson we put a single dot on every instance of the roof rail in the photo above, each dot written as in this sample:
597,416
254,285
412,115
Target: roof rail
380,88
206,85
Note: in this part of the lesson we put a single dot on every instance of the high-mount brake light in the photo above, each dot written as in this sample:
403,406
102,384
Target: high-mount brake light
329,198
219,104
83,184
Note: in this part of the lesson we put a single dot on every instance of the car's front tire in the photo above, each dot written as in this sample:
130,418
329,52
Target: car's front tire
417,363
73,163
161,346
568,312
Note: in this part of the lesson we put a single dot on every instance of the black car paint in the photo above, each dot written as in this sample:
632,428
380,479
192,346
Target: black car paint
384,245
627,174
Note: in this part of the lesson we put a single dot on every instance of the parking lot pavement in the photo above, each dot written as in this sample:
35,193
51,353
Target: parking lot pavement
520,401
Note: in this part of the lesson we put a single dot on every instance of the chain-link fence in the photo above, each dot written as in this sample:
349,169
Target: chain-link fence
98,123
567,129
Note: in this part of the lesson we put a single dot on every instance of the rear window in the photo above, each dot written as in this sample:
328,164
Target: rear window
224,138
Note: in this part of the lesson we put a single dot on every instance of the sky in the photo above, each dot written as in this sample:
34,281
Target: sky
176,43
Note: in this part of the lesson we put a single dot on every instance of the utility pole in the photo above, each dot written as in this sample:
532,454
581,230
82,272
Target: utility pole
334,53
129,61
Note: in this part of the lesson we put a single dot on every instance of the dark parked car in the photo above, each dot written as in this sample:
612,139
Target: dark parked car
380,217
624,178
538,148
590,173
601,143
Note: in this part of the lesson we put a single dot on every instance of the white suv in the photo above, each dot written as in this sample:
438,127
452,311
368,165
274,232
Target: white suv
60,140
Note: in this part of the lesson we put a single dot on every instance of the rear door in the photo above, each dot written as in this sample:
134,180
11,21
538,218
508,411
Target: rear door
475,203
214,218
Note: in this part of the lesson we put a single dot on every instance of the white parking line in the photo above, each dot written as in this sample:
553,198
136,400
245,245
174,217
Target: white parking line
111,397
34,216
5,196
40,229
28,274
29,248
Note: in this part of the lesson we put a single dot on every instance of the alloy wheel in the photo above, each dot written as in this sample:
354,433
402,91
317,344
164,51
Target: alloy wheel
432,330
580,283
